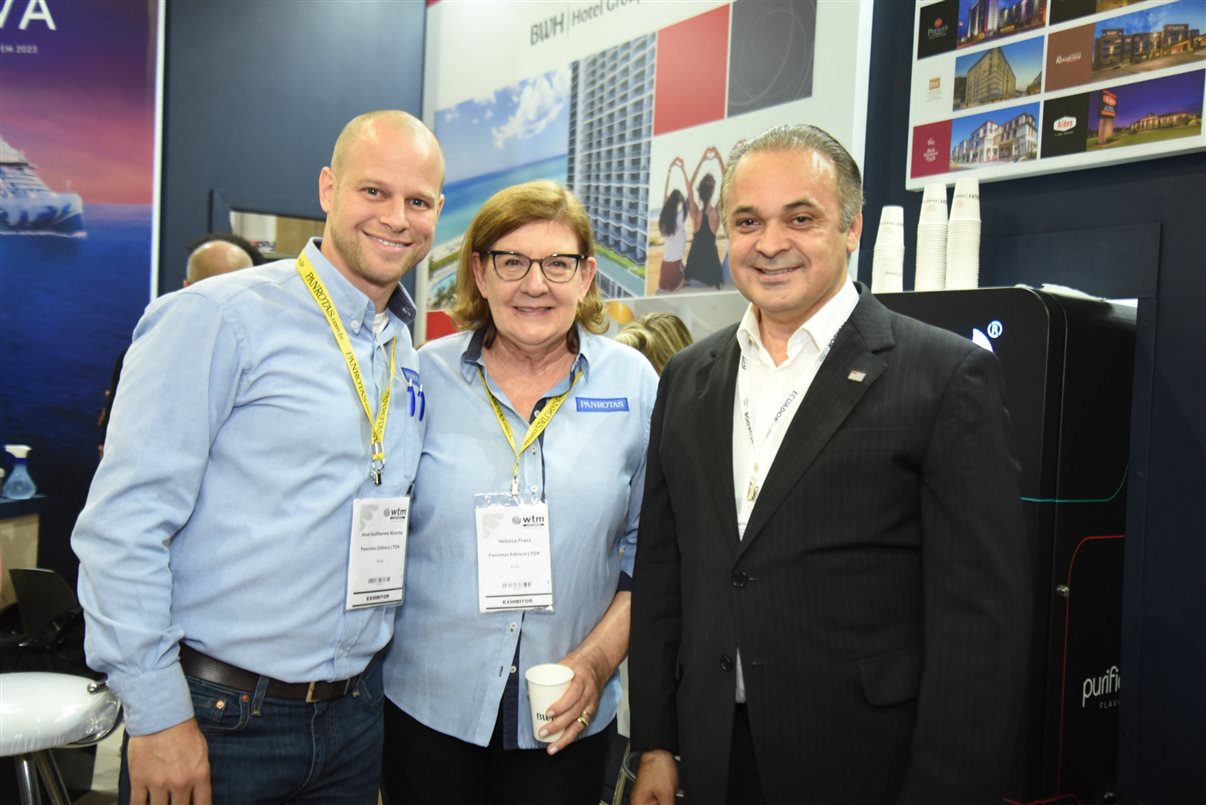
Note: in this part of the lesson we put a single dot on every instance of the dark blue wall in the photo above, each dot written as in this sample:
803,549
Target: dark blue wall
256,93
1163,741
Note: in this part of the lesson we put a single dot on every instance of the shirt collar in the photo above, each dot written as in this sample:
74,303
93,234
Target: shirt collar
355,308
821,328
471,358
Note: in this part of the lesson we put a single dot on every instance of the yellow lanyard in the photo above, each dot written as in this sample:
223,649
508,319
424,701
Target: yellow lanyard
327,305
534,430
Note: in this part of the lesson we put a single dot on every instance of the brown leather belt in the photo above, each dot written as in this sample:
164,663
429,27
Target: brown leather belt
199,665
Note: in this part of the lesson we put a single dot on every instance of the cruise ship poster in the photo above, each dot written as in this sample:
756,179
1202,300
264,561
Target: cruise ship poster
77,177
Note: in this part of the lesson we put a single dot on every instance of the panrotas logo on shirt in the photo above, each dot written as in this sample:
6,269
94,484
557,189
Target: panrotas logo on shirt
528,520
602,404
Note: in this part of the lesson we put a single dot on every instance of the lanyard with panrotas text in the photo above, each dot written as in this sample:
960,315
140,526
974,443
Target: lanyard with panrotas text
534,430
327,305
757,445
759,455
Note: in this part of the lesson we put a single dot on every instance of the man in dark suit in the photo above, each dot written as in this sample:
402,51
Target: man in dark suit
831,596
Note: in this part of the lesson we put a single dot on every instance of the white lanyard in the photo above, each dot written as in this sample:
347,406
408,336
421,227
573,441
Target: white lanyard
758,445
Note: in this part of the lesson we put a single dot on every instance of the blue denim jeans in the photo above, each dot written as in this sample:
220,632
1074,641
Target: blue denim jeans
264,751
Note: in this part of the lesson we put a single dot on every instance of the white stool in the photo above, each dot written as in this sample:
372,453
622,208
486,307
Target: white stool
42,711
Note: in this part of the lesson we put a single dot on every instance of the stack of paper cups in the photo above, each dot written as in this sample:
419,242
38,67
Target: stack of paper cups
931,240
887,265
963,237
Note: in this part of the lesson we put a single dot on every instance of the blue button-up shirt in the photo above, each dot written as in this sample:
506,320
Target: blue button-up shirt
449,665
221,513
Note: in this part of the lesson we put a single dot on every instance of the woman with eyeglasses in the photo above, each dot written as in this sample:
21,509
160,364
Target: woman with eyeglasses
524,521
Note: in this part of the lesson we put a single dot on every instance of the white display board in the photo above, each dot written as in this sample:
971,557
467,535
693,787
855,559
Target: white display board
604,95
1008,88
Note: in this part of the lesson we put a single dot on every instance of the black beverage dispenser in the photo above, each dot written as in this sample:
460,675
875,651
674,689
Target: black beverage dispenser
1068,363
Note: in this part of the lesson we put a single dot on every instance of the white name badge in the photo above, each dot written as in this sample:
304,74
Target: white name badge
377,557
514,563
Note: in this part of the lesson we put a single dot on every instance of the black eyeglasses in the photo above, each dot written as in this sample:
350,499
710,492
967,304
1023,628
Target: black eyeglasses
513,266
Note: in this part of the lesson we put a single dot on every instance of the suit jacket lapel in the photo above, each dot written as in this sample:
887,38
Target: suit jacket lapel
716,385
849,370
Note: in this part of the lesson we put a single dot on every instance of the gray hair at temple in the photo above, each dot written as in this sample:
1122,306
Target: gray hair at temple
802,137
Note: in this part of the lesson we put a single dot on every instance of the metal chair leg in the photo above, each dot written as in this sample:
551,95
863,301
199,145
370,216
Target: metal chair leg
49,770
622,777
27,781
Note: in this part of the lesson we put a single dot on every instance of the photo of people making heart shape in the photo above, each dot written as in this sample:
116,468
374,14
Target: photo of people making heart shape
694,256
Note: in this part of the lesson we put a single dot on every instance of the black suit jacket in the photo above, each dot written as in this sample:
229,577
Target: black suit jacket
880,596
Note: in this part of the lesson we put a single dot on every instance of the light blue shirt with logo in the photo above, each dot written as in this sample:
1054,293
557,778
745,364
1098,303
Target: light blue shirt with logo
449,665
221,513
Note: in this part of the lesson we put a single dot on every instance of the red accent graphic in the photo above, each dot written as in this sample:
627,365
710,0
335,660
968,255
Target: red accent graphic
1063,683
931,149
690,80
439,324
1063,799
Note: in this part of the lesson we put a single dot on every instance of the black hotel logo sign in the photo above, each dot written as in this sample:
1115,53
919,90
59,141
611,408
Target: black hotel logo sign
937,28
1065,126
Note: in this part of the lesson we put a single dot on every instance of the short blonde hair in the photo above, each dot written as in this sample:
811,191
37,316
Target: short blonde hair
503,213
657,336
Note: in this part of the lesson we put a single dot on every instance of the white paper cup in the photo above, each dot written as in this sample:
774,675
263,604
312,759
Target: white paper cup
890,234
963,255
965,203
546,684
887,268
891,228
892,214
933,204
968,187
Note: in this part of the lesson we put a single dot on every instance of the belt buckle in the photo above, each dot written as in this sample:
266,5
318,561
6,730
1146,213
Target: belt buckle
310,694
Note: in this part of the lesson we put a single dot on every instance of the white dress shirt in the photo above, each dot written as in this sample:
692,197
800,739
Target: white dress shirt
768,396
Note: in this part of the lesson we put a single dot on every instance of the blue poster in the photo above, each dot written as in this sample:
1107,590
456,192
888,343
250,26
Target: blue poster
77,172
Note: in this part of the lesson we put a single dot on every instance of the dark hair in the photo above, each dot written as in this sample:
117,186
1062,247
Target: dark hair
705,187
802,139
667,223
257,259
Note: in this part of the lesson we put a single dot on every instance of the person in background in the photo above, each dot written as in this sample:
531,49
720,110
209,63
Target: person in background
240,549
672,224
832,601
219,253
208,256
657,336
535,447
703,260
